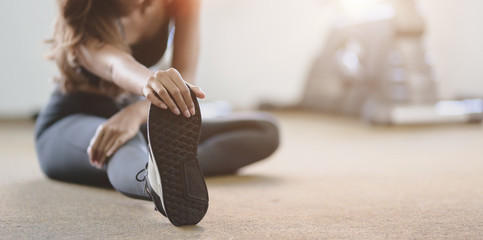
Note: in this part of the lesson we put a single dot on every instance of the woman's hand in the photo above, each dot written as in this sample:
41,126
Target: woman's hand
173,92
116,131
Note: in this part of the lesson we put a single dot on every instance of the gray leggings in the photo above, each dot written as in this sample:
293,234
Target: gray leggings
226,144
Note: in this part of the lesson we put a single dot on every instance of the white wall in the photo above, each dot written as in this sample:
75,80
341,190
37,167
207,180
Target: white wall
455,39
251,49
25,75
259,49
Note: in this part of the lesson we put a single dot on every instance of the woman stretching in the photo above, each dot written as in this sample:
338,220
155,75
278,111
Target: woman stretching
112,121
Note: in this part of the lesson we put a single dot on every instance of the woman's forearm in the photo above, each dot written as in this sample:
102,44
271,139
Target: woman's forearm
136,112
115,65
140,110
129,74
165,89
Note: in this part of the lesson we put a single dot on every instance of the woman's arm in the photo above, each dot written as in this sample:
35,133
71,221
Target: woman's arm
186,38
116,131
113,64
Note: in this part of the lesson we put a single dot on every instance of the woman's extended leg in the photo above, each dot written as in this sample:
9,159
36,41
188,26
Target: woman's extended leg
62,151
230,142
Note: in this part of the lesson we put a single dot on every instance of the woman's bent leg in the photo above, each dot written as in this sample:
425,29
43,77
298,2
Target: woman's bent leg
125,164
231,142
62,152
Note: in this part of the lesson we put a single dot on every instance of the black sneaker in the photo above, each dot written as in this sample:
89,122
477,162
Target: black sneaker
174,178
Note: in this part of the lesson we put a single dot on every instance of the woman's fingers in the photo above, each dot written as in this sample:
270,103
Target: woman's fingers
179,96
94,150
112,135
151,96
176,94
102,141
167,89
149,93
197,90
183,92
118,142
164,95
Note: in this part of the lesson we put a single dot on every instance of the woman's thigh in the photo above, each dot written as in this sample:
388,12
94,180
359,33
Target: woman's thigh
264,123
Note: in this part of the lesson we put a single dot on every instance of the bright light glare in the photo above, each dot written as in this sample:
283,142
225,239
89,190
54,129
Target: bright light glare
351,6
351,61
459,107
356,7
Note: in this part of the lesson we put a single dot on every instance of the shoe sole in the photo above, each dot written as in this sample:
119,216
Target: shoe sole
173,141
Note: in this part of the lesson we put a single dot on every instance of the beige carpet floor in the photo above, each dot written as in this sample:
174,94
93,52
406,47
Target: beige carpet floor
332,178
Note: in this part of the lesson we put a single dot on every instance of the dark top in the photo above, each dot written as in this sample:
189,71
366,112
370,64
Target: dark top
62,105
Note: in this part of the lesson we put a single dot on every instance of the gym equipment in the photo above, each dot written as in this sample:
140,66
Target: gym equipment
375,66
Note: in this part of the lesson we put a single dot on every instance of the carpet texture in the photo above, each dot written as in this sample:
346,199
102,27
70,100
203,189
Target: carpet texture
332,178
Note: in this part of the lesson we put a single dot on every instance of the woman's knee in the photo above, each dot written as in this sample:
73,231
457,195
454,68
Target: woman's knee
48,169
269,135
44,156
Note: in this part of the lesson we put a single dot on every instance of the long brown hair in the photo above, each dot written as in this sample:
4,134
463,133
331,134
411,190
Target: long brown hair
80,22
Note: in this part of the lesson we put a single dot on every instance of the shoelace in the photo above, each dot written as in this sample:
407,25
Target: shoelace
146,189
145,169
143,179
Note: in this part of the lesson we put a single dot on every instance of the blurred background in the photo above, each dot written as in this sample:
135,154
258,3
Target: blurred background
314,54
328,70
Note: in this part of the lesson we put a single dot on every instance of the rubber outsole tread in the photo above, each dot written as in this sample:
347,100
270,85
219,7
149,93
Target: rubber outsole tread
174,144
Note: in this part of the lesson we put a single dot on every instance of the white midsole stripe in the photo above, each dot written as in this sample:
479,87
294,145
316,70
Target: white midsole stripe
153,175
